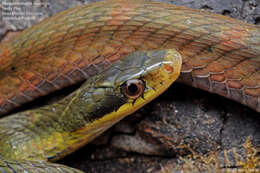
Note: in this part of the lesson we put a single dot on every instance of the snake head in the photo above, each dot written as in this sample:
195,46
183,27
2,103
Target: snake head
129,84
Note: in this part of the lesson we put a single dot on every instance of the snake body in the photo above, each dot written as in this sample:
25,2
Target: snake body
219,54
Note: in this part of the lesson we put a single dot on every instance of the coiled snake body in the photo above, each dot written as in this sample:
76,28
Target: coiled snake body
219,54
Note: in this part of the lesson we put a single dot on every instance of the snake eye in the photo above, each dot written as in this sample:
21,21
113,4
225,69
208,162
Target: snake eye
133,88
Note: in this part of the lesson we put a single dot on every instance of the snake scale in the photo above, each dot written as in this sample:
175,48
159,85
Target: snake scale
219,54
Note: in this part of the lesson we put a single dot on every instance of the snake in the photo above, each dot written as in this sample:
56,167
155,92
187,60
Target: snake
128,53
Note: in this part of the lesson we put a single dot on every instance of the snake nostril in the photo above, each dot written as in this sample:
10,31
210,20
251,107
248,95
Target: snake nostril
168,68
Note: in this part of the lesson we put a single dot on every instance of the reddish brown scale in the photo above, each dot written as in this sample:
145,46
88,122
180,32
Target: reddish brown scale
220,54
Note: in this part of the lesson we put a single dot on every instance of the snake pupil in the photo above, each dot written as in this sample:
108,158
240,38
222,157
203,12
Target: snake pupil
132,89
